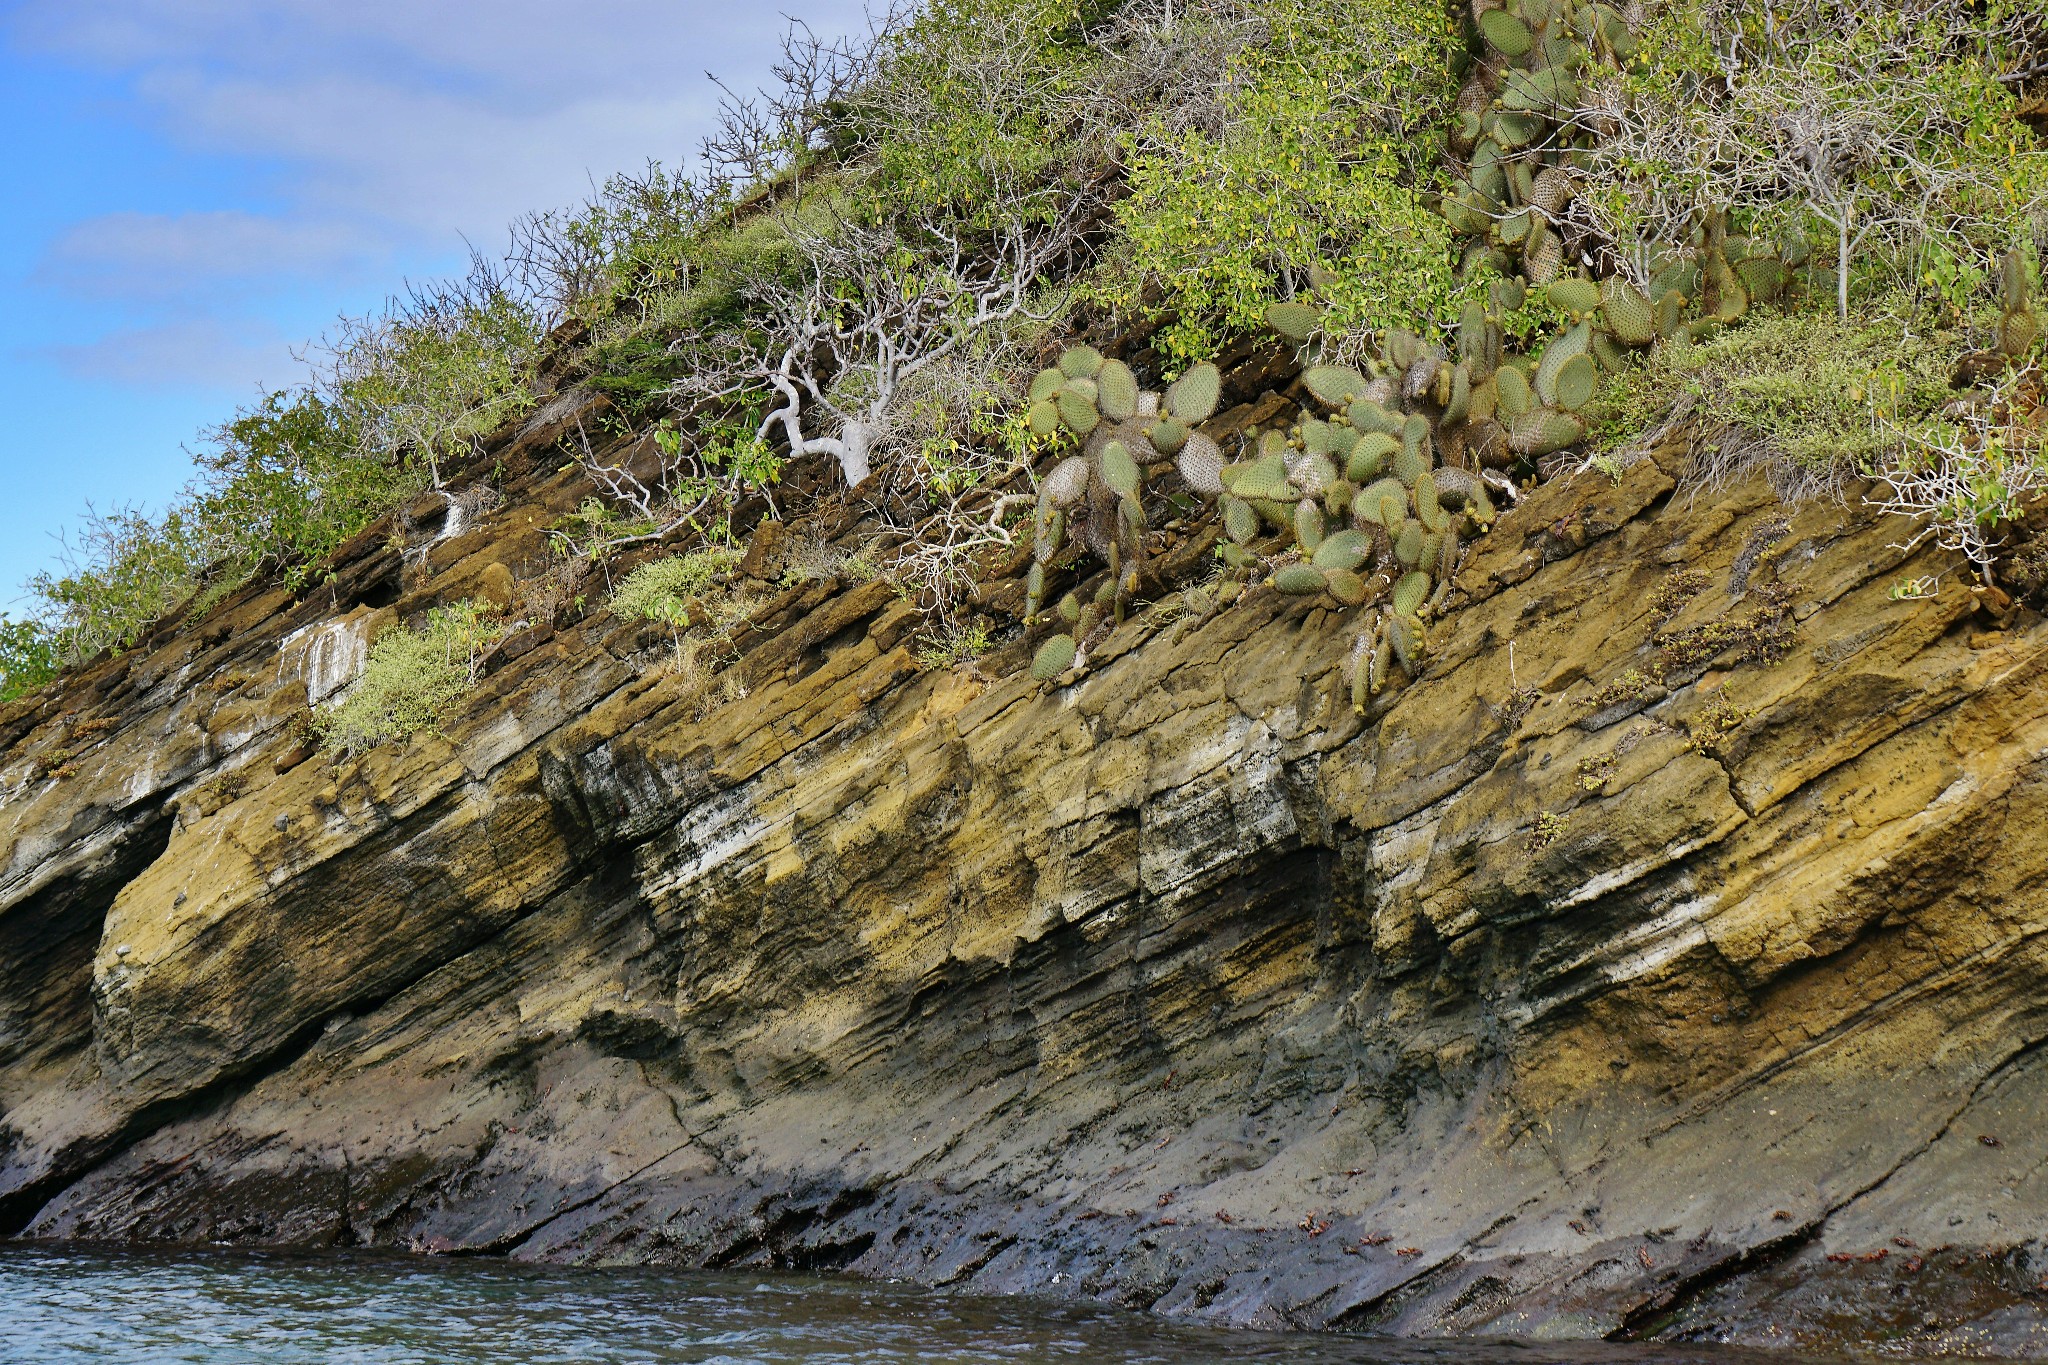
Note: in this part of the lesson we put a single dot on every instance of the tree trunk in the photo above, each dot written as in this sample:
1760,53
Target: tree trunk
854,439
1842,267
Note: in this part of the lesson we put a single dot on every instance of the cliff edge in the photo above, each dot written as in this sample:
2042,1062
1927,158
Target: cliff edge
1665,961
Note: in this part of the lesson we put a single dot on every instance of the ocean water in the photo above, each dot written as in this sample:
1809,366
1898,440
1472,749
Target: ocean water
212,1308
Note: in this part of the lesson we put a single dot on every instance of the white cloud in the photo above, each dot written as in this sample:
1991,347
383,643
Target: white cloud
157,256
429,116
241,356
385,131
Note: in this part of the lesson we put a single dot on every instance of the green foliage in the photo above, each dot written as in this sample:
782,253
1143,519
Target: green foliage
1883,137
1311,151
1826,399
661,589
969,106
670,273
28,656
123,571
594,527
411,678
952,645
1324,165
433,374
281,487
730,447
285,482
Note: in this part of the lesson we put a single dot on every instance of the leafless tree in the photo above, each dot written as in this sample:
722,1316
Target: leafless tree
563,259
1167,66
1966,486
1843,109
832,349
758,136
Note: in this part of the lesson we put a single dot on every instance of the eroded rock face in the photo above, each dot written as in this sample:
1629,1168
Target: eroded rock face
1678,936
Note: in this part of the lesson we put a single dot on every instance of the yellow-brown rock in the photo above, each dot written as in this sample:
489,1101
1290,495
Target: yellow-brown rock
1681,928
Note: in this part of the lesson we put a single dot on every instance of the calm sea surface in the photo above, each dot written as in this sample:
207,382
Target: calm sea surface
214,1308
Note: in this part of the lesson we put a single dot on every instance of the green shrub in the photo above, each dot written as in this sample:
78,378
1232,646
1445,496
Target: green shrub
28,656
659,590
122,572
969,109
281,486
1885,136
669,284
411,677
435,372
1329,144
278,487
1816,400
952,645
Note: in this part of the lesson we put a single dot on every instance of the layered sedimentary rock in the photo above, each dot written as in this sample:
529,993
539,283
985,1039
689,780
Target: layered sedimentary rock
1666,960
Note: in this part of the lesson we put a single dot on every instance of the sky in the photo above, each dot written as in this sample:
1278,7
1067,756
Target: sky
196,189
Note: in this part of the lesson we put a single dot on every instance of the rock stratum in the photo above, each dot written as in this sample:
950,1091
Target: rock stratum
1667,961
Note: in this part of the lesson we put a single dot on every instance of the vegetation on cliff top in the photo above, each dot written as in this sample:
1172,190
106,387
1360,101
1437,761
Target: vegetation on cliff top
1793,226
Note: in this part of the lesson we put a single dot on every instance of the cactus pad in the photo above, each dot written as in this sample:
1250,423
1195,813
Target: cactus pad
1576,381
1080,362
1297,322
1116,391
1410,593
1240,521
1201,464
1193,397
1574,295
1067,484
1334,385
1300,580
1119,470
1509,35
1054,657
1344,550
1344,585
1077,412
1167,435
1308,525
1543,430
1628,312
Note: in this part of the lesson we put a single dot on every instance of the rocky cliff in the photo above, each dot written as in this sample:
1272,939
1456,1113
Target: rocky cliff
1666,960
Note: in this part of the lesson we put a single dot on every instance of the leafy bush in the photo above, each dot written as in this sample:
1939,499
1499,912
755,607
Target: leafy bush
663,282
411,677
121,572
438,370
686,592
1884,134
278,487
1316,163
282,486
952,645
659,590
967,110
1814,401
28,657
285,482
1968,481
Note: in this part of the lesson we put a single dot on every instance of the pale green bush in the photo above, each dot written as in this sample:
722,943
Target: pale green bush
658,591
1811,401
411,678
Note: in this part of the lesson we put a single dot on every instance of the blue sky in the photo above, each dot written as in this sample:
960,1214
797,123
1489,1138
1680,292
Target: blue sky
199,187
